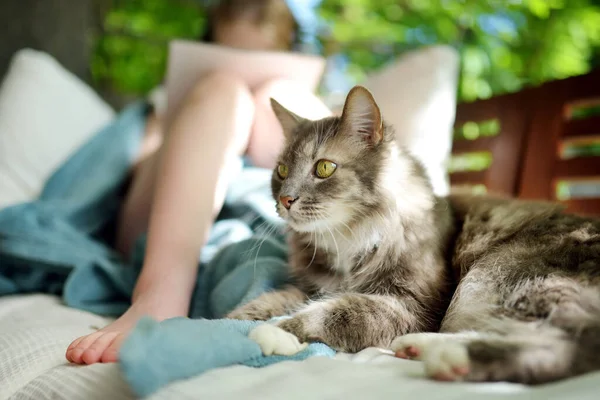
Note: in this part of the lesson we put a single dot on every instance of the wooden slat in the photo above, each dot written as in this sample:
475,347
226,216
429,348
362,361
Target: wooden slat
483,110
467,178
583,206
476,111
512,113
508,148
543,137
582,87
468,146
582,127
576,88
577,167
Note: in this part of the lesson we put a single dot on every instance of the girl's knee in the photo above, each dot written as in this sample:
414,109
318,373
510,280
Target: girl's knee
220,84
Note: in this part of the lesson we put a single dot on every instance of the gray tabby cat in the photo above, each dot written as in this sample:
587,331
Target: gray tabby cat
377,259
368,237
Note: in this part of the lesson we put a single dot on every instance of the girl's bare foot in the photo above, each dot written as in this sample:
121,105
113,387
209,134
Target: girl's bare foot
103,346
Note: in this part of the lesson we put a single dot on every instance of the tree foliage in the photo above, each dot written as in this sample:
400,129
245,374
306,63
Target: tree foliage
131,54
504,44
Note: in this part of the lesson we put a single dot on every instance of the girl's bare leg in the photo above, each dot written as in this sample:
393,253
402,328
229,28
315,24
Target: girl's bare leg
135,211
267,137
190,179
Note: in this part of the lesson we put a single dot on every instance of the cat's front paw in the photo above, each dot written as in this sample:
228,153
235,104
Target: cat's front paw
295,326
275,341
298,325
253,311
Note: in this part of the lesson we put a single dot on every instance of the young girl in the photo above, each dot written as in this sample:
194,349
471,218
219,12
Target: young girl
178,186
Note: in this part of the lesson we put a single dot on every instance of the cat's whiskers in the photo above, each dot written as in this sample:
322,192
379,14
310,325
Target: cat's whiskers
350,240
369,228
358,215
382,221
269,232
349,229
324,215
320,214
351,245
252,220
314,252
340,233
251,249
309,242
265,226
337,250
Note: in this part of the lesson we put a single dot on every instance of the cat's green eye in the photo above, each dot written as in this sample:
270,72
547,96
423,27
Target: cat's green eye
282,171
325,168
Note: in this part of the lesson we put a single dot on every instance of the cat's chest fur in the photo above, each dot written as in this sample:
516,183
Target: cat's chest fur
346,255
338,261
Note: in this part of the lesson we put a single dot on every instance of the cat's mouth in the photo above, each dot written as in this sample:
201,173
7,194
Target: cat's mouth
307,215
304,221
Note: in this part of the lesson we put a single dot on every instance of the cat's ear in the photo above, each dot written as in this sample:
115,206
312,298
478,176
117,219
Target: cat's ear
361,116
288,120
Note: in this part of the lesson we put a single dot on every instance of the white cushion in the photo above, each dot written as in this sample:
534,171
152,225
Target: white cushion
45,114
417,95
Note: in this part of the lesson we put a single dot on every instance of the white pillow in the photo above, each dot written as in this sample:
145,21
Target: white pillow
46,113
417,95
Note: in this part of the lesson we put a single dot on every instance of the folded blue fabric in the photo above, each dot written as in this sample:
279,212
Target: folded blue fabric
60,244
158,353
44,241
152,358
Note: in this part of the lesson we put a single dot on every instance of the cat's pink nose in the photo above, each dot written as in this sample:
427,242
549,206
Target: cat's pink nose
287,201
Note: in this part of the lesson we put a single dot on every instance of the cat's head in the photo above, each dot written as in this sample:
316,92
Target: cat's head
330,171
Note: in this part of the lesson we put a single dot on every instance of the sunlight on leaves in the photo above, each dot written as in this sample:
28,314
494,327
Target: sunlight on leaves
475,161
472,130
503,45
130,57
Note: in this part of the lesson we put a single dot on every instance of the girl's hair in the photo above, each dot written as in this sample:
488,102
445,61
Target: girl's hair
275,13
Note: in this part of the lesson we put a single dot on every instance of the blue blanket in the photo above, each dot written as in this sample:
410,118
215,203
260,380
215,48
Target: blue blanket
60,244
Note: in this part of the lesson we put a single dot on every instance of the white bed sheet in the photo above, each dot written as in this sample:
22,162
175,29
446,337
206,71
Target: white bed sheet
36,329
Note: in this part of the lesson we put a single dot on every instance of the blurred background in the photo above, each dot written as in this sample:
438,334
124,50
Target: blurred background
504,45
119,47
